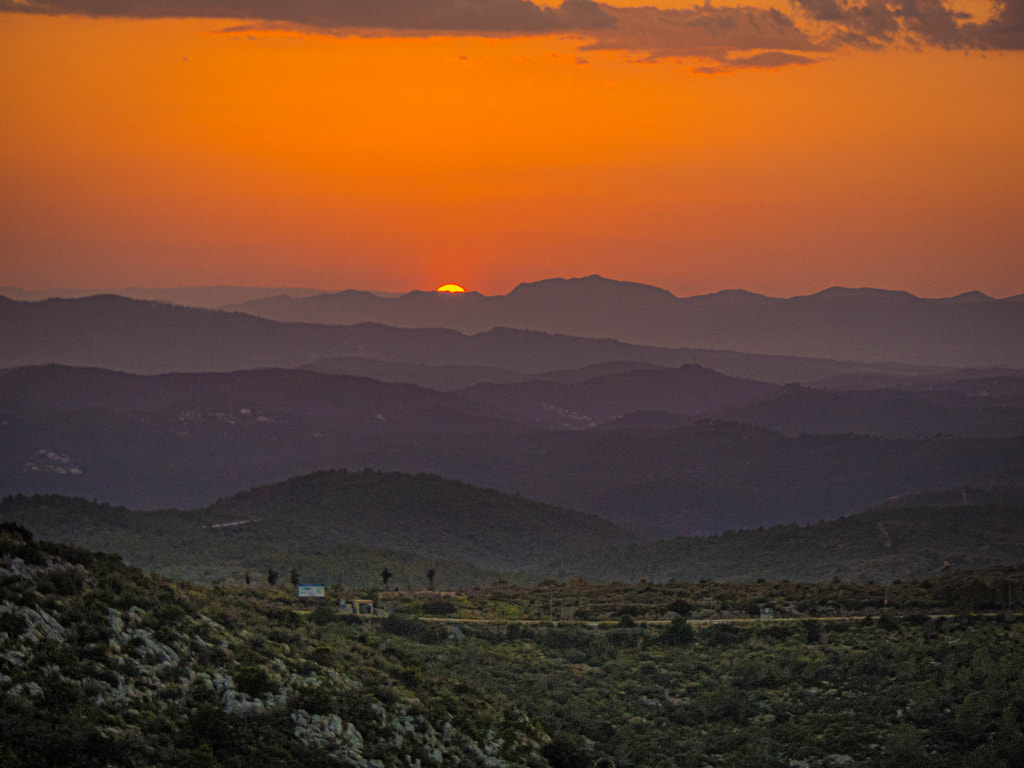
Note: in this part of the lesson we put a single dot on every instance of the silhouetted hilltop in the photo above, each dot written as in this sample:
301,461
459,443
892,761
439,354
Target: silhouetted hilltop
150,337
890,413
206,296
689,390
863,324
332,514
444,378
266,391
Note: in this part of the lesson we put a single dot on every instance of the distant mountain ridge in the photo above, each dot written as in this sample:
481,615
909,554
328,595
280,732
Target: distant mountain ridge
864,324
688,390
148,337
206,297
851,324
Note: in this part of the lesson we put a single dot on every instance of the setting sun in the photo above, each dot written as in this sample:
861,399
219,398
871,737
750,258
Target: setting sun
451,288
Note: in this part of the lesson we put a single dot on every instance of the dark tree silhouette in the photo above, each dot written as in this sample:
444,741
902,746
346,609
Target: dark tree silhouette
294,576
385,576
431,573
271,577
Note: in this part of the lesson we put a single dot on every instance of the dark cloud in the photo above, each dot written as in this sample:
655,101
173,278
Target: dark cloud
1004,31
657,33
732,37
766,60
882,23
494,16
703,31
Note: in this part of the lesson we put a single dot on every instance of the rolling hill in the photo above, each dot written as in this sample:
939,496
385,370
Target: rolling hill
345,527
907,540
332,526
888,413
689,390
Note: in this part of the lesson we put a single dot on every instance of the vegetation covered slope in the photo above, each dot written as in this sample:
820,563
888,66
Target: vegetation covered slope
884,544
100,665
344,528
335,527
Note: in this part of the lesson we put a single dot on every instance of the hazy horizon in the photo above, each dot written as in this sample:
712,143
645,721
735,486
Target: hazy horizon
389,292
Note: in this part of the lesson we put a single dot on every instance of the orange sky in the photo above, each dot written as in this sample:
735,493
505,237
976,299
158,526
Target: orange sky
772,156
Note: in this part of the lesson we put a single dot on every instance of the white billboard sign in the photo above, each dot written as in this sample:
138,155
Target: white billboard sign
312,590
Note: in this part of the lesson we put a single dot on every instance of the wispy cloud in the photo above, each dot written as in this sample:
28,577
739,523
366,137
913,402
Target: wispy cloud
766,60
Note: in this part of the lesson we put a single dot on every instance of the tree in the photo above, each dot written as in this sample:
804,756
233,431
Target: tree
271,577
431,573
294,576
385,576
679,632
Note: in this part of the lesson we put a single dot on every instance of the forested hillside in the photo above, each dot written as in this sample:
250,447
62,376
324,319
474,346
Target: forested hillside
336,527
345,528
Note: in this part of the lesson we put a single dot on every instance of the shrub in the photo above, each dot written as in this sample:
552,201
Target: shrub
65,582
316,700
565,638
420,631
440,608
679,632
681,607
14,533
13,624
322,655
323,614
561,753
253,681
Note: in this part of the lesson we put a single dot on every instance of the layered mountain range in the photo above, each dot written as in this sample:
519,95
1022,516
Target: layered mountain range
839,323
681,450
153,405
859,325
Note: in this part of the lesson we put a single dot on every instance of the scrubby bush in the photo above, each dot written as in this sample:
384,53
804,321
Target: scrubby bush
420,631
678,632
13,624
322,655
64,582
253,681
323,614
440,608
